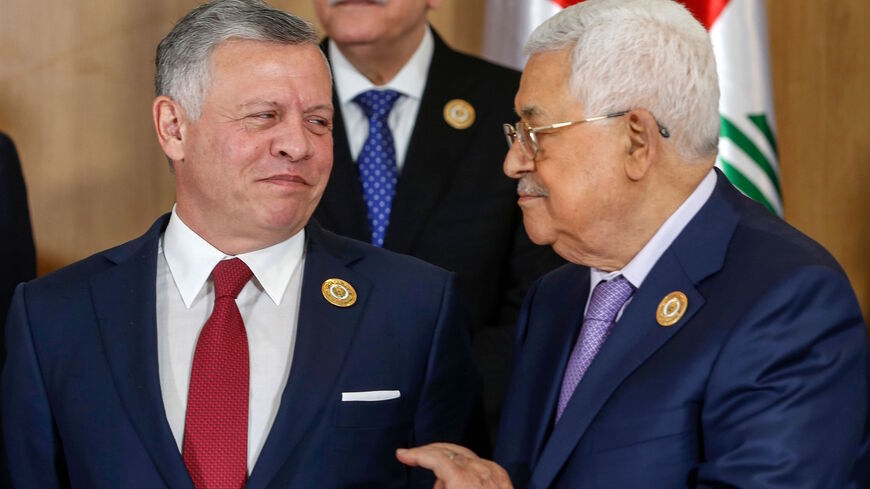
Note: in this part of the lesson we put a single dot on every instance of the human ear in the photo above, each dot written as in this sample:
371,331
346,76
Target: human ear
643,143
169,122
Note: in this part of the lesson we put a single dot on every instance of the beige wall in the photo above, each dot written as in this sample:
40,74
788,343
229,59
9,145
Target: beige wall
76,85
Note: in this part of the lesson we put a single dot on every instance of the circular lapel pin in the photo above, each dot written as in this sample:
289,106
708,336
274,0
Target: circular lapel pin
672,308
338,292
459,114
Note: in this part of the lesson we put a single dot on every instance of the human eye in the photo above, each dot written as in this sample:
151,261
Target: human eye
318,124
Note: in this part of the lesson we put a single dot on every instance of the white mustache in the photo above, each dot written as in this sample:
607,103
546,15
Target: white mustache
336,2
527,187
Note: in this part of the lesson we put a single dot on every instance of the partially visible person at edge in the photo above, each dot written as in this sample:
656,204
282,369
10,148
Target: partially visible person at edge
695,340
236,344
16,240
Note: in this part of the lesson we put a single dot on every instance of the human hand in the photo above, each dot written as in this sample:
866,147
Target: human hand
456,467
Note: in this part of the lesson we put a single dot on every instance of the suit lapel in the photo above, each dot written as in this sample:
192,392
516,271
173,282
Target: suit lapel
434,153
324,335
560,317
124,299
698,252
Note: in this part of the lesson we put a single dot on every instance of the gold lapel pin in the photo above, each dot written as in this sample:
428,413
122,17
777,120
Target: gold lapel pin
459,114
672,308
338,292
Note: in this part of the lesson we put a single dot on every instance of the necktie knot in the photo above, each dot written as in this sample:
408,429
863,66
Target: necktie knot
230,276
608,298
377,104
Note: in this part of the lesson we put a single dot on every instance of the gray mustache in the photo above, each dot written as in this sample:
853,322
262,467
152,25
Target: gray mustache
527,187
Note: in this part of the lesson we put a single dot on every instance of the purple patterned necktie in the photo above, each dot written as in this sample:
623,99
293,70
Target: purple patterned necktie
607,299
377,160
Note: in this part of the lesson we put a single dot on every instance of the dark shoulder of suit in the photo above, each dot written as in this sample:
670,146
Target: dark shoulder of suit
16,238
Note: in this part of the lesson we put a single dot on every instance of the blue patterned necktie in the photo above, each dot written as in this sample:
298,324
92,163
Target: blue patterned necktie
377,161
607,299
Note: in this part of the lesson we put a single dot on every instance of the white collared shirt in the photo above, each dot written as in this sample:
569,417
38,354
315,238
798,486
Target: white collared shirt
409,82
636,270
269,304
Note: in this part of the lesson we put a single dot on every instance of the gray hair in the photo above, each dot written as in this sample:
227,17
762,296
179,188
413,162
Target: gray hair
184,55
640,54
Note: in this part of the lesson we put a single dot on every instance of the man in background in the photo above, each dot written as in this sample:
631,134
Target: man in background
695,340
418,161
236,344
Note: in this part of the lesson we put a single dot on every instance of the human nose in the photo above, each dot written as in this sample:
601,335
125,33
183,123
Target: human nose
292,142
516,164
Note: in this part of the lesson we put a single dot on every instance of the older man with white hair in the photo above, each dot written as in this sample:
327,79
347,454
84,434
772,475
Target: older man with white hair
696,340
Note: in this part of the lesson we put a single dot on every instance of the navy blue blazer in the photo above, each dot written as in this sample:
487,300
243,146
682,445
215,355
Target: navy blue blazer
81,397
762,383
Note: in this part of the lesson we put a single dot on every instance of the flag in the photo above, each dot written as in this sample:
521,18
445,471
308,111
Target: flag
738,29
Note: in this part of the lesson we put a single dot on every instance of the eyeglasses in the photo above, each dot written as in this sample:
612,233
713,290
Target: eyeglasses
529,141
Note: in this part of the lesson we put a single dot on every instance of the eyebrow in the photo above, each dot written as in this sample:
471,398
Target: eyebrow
273,104
257,103
529,112
327,107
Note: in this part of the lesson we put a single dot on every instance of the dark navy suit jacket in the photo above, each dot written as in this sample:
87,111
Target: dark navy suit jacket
82,406
18,262
762,383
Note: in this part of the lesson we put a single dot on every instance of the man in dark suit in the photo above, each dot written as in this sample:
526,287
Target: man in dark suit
696,340
236,344
16,239
448,201
16,246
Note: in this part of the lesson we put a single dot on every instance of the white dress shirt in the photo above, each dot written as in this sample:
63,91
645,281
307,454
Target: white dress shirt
409,82
639,267
269,304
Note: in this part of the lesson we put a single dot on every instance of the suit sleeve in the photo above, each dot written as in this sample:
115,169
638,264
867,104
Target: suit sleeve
30,440
451,387
786,404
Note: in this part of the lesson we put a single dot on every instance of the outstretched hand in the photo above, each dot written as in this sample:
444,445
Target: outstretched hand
456,467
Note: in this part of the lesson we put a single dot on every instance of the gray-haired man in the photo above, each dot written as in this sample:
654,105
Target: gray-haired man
236,344
696,340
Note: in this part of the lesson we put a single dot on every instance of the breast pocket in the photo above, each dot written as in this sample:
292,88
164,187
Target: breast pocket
368,414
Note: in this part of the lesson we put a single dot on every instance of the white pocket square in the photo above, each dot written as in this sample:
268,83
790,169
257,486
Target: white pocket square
370,396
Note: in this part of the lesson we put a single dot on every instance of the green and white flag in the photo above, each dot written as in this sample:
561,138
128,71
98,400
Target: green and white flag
747,144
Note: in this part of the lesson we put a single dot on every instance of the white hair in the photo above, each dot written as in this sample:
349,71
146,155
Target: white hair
640,54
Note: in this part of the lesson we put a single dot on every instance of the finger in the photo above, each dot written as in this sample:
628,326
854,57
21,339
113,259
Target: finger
431,457
457,449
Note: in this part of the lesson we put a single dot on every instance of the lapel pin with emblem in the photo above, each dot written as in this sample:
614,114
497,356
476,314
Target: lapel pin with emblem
338,292
459,114
672,308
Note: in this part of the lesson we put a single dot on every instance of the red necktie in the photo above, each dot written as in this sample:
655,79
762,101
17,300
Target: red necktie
215,447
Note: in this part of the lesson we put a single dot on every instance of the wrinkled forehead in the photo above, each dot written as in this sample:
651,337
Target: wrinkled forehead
545,86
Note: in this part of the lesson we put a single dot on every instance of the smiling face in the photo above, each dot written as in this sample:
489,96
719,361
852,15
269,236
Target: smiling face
360,22
574,194
251,170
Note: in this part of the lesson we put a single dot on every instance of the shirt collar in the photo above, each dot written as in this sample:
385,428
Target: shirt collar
410,81
639,267
191,260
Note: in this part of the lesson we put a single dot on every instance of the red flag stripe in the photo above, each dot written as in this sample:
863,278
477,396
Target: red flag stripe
706,11
566,3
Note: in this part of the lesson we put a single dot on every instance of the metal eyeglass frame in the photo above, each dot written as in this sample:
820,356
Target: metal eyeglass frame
514,132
